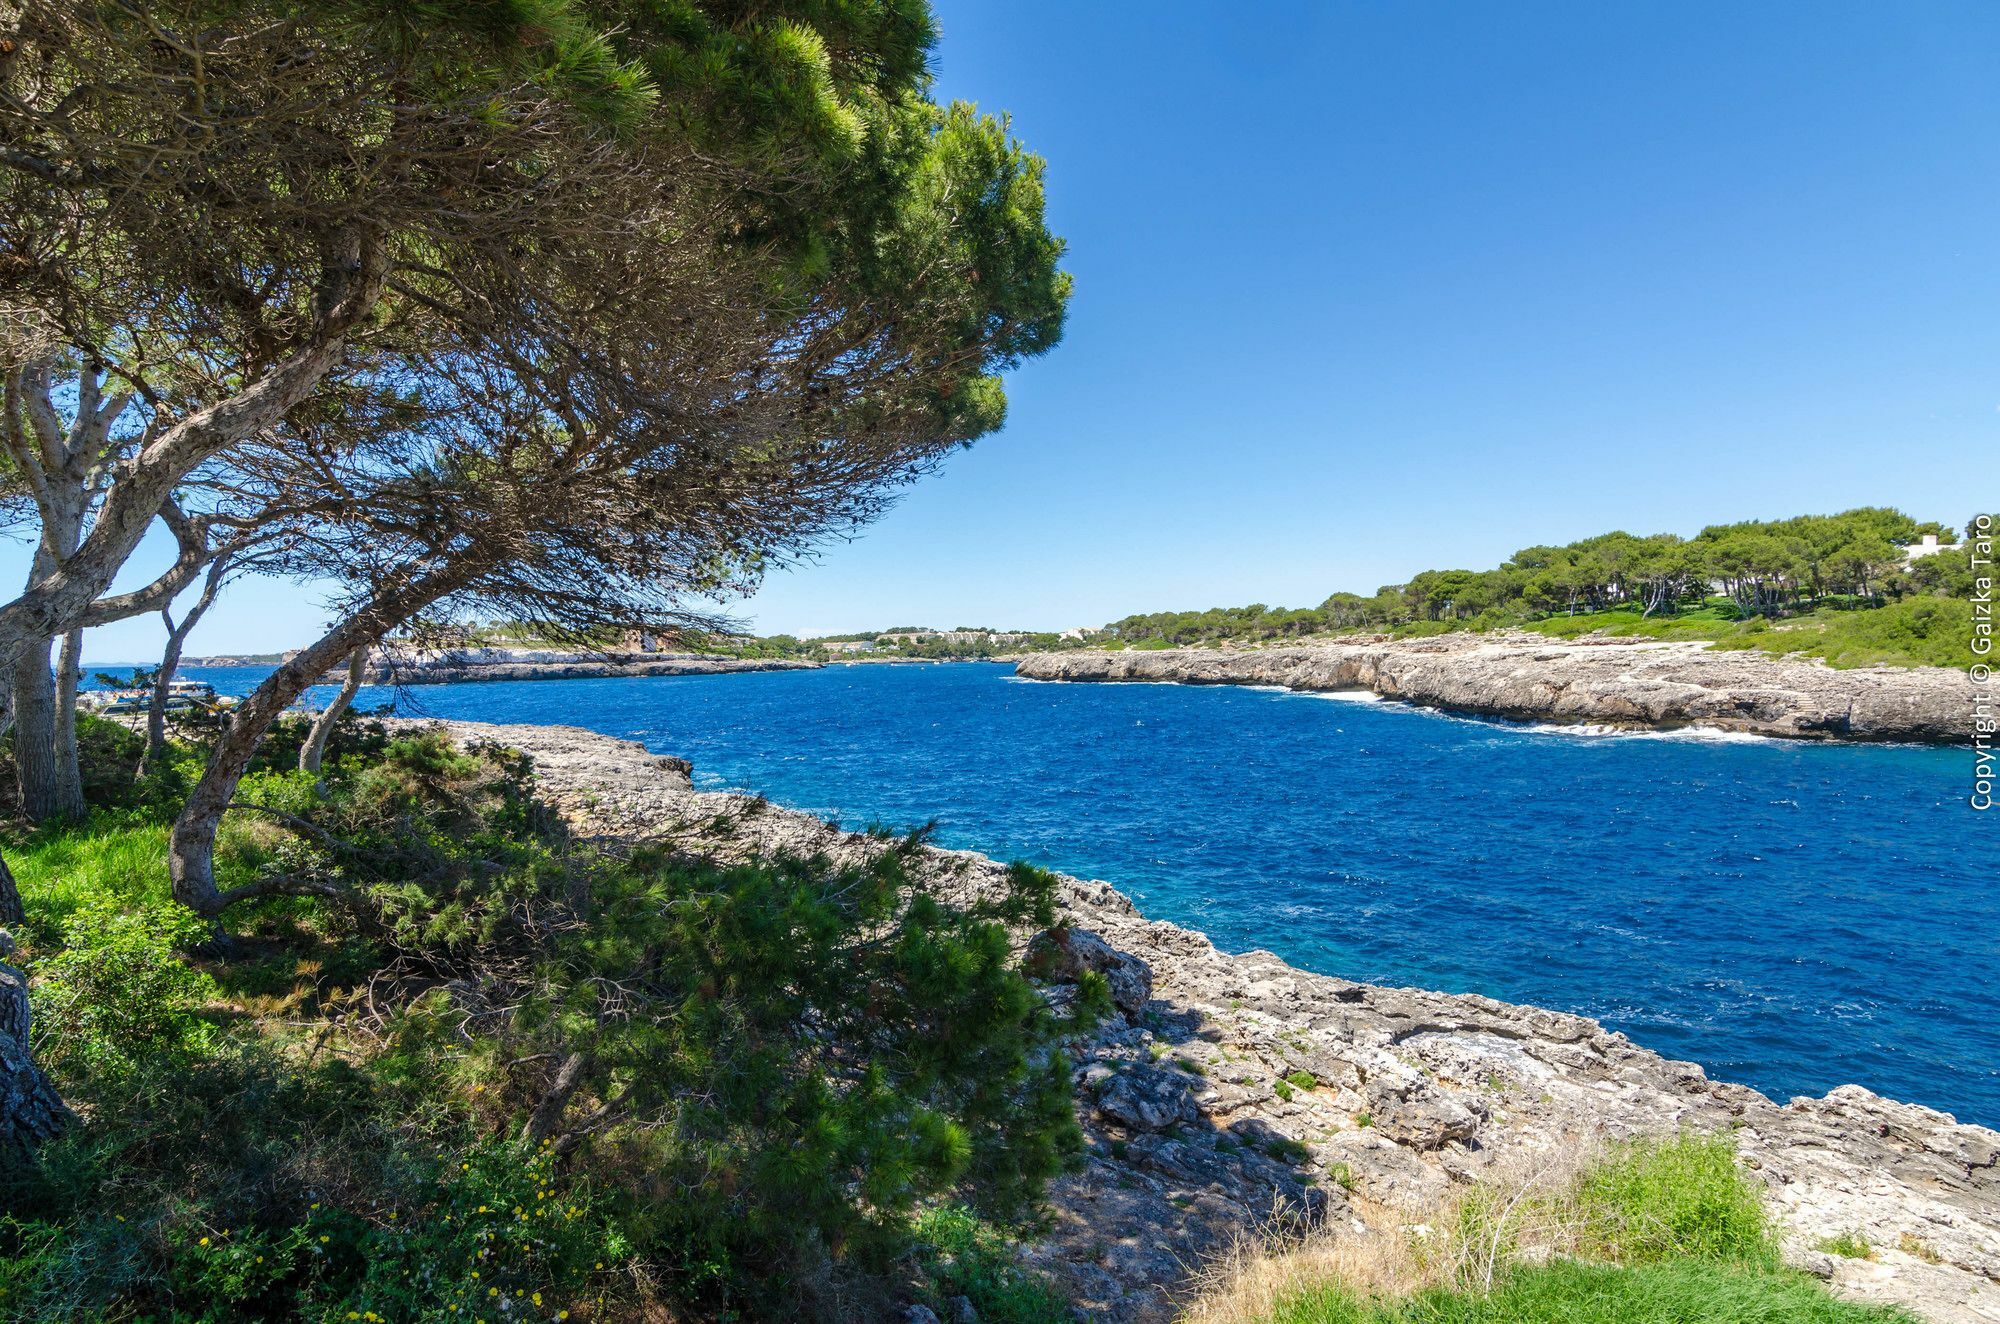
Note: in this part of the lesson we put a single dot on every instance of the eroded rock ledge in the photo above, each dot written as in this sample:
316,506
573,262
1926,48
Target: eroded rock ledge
1193,1141
1618,682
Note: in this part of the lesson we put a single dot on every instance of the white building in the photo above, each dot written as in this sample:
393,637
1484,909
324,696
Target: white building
1928,545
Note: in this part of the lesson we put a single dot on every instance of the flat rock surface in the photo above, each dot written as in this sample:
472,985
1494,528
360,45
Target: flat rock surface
1395,1095
1617,682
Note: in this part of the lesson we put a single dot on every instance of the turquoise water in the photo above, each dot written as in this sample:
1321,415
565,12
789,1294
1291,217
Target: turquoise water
1792,916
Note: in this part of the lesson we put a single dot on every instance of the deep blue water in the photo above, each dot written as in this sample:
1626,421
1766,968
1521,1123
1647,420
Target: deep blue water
1793,916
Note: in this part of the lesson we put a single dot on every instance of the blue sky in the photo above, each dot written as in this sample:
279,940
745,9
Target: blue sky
1364,288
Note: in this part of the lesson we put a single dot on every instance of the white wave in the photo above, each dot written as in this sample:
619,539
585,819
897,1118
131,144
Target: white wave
1346,696
1708,735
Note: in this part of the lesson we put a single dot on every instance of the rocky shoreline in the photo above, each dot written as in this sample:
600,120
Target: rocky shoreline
1646,683
1233,1092
455,666
449,672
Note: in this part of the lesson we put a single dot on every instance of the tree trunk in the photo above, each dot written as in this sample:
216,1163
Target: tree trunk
314,749
170,657
191,849
31,1112
69,763
349,290
11,910
46,770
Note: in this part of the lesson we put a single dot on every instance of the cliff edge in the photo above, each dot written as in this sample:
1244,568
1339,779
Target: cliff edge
1616,682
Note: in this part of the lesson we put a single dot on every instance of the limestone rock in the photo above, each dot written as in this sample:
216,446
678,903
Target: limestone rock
1147,1099
1621,682
1064,953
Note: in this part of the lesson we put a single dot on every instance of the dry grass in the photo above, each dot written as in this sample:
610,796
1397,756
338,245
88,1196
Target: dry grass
1681,1199
1522,1211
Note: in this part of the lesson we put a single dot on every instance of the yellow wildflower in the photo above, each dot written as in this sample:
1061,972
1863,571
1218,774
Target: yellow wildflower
203,1241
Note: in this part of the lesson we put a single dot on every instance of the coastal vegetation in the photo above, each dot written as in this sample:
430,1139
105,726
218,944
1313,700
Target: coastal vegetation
1648,1231
1846,588
572,314
475,1068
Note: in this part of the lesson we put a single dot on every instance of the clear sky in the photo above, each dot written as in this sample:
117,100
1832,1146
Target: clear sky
1365,288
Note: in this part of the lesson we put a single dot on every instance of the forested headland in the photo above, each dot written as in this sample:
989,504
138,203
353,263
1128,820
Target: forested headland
1854,588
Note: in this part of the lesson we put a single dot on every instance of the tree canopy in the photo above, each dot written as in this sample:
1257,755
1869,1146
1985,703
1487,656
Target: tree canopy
1768,567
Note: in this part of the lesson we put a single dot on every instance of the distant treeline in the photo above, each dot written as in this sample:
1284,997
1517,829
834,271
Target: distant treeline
1769,568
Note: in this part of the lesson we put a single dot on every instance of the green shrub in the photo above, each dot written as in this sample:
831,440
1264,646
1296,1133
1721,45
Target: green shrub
1287,1150
118,991
1848,1245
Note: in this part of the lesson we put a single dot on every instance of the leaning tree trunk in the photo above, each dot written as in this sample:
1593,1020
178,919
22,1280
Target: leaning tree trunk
46,769
314,749
191,848
31,1111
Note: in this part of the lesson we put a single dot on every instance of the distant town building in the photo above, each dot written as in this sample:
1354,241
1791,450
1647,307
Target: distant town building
849,645
1081,632
952,637
1928,545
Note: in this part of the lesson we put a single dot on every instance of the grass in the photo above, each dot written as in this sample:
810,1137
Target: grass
1652,1232
1926,631
112,856
1573,1292
962,1255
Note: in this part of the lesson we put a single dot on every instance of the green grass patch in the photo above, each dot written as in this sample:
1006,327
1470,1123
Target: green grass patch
1915,632
1849,1246
963,1255
114,857
1572,1292
1664,1200
1657,1232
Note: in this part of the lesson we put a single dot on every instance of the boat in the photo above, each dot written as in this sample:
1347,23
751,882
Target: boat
183,696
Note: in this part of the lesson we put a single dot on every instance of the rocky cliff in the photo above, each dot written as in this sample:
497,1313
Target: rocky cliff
1232,1092
1617,682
